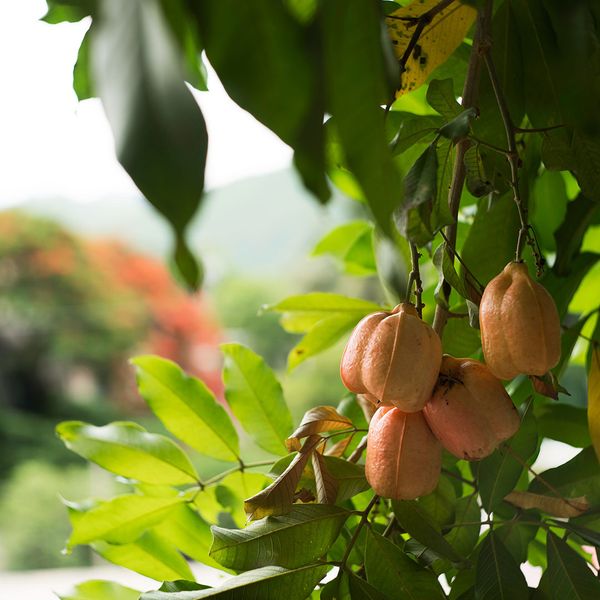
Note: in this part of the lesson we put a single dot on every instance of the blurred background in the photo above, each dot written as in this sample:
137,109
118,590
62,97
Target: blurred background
84,282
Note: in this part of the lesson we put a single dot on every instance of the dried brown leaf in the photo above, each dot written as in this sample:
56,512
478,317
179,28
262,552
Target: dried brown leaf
327,485
557,507
318,420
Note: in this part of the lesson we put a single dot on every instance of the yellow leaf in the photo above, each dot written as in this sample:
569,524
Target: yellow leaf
594,399
317,420
557,507
438,40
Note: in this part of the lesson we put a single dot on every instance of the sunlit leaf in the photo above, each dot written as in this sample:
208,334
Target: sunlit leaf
122,519
594,399
438,40
97,589
464,537
128,450
255,397
187,407
280,540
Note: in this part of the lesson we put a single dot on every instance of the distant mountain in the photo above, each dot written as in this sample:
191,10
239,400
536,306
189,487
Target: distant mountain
257,226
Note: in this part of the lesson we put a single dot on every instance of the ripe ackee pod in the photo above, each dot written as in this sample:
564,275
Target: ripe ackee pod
404,459
520,327
470,411
394,357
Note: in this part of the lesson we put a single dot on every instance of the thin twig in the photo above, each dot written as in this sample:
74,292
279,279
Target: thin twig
220,476
415,277
358,450
537,129
469,96
456,255
459,477
363,520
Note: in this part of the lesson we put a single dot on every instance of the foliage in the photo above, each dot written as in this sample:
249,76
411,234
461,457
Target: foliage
473,184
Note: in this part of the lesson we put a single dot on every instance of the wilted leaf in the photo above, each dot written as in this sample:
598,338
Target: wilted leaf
594,399
557,507
318,420
327,485
438,40
547,385
277,498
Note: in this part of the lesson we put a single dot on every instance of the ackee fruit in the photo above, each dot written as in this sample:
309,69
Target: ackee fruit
470,411
520,327
394,357
404,458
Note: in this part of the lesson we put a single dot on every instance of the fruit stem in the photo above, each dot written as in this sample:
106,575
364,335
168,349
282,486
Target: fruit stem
512,157
469,96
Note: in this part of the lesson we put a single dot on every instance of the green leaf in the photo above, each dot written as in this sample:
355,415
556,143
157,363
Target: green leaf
300,313
321,336
465,537
439,504
128,450
352,245
411,129
477,181
150,555
97,589
350,477
185,529
308,529
256,398
356,86
266,583
414,520
181,585
420,182
394,574
498,576
271,70
498,474
459,126
160,134
60,11
82,76
578,477
122,519
187,407
565,423
568,575
459,338
444,264
548,207
492,239
441,97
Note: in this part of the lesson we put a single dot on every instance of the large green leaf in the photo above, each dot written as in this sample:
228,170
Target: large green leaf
567,575
187,407
396,575
563,422
122,519
321,336
268,65
160,134
266,583
498,576
300,313
578,477
127,449
498,473
151,555
97,589
349,476
256,398
464,537
492,238
414,519
292,540
356,86
352,245
441,96
189,533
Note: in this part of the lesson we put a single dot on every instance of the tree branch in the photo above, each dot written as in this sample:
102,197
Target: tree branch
469,96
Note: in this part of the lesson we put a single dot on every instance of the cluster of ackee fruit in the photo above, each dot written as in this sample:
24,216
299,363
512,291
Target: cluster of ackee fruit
426,400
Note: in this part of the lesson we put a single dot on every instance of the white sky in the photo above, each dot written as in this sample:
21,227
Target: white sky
52,146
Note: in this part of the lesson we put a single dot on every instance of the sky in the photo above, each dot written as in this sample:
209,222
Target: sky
52,146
